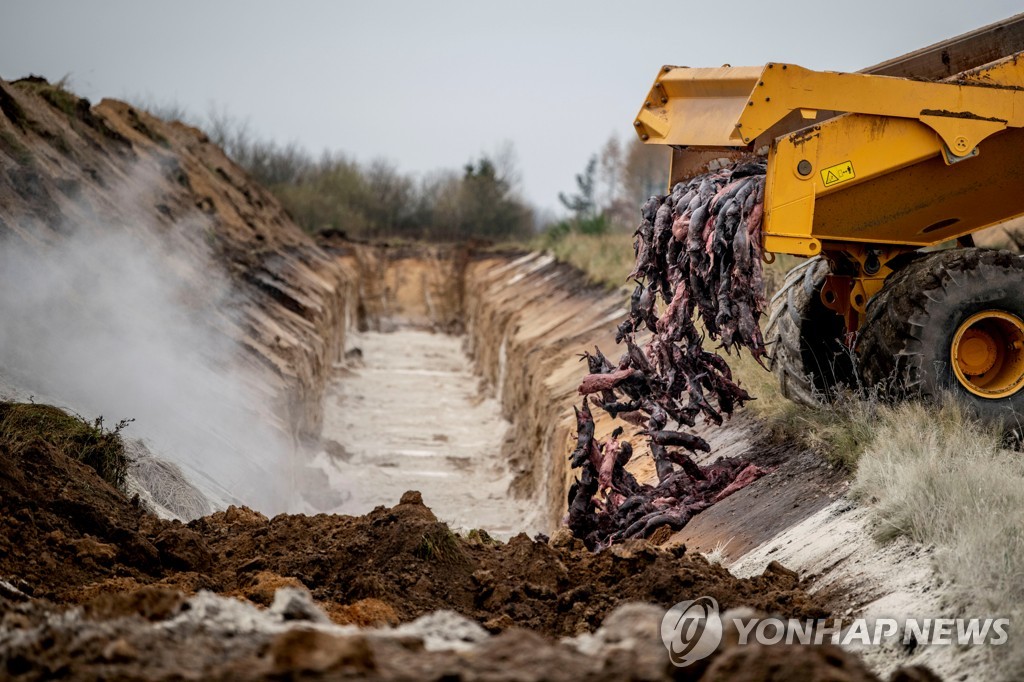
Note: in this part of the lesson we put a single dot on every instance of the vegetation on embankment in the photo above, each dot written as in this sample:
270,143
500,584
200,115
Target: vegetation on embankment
333,192
482,200
936,475
28,425
604,258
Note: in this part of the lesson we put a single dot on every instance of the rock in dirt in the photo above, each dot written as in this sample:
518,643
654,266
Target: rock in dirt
292,603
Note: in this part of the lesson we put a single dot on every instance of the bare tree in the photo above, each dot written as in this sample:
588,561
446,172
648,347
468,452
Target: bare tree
646,171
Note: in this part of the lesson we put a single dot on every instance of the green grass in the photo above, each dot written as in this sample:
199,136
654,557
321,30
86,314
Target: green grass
55,94
61,99
478,536
26,424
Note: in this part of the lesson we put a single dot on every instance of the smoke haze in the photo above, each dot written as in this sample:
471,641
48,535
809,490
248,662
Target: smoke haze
120,323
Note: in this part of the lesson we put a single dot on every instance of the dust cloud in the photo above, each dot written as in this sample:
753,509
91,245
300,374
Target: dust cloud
129,322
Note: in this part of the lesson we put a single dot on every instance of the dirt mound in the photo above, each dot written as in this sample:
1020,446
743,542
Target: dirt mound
68,536
144,587
61,525
405,558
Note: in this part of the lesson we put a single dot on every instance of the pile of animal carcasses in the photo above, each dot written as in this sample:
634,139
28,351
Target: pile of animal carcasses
698,252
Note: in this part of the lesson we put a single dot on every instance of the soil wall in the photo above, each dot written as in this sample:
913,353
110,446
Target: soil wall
69,169
528,320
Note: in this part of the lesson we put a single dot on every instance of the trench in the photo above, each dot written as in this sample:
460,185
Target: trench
506,329
456,377
505,332
408,413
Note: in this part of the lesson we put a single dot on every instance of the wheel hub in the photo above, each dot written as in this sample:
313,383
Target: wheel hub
988,354
977,352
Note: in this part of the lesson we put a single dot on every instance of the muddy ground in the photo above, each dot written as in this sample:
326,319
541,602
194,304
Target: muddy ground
67,536
93,585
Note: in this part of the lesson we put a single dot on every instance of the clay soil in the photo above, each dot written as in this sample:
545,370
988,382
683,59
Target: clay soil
69,539
67,536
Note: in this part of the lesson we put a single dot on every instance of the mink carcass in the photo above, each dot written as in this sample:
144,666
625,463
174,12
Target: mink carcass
698,253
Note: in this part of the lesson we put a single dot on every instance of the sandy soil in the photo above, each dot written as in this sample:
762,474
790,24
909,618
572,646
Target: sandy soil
410,414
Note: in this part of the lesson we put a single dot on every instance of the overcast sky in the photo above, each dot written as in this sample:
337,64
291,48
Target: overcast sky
431,84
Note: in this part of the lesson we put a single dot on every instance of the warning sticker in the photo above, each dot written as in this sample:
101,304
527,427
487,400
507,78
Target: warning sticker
841,172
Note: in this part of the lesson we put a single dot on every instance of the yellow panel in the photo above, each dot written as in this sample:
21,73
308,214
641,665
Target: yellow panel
697,107
962,114
871,145
731,106
930,202
918,164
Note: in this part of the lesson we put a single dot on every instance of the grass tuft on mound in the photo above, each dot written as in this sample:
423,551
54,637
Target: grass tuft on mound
24,424
440,545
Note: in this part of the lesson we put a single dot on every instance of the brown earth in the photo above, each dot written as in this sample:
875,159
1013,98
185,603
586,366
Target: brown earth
67,538
128,643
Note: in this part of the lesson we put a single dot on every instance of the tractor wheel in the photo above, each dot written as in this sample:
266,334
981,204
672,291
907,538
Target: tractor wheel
951,321
804,338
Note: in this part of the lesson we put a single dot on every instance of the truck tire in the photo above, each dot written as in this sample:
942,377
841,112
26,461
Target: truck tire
804,338
951,321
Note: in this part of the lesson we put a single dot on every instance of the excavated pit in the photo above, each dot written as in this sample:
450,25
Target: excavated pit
408,413
444,387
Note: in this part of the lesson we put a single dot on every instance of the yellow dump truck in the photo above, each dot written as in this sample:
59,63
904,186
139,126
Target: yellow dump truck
867,174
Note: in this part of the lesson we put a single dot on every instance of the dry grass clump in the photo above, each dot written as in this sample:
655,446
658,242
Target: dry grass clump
936,475
26,424
718,554
160,483
56,94
839,429
606,258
